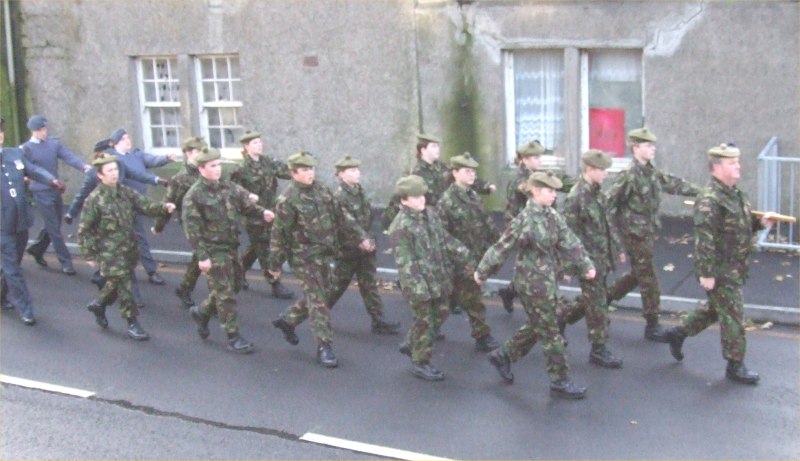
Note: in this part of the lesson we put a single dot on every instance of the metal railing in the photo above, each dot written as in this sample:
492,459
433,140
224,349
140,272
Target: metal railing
777,191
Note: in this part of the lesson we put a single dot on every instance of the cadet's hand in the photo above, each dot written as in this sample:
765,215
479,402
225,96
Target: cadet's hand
154,231
170,207
477,278
86,168
27,181
707,283
275,274
204,265
590,275
768,219
91,264
253,198
492,188
566,278
622,258
367,245
162,182
268,216
67,219
59,186
172,156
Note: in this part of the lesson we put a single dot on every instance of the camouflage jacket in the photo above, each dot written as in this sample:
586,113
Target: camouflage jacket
463,216
211,213
310,224
106,233
542,239
176,190
635,195
261,178
585,213
516,199
425,255
355,202
723,232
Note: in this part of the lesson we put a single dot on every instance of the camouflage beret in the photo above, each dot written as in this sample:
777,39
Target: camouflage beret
530,149
411,185
208,154
463,161
428,138
98,162
194,142
596,159
102,145
249,136
641,135
545,179
347,162
724,150
301,159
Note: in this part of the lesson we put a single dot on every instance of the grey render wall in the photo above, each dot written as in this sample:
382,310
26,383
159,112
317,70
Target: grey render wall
713,72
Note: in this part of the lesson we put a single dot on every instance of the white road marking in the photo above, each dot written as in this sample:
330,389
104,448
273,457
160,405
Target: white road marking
367,448
22,382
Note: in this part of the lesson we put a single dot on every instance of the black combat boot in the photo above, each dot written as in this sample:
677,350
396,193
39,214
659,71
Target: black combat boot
6,304
288,331
507,296
238,344
381,327
426,371
280,292
201,320
38,257
603,357
325,356
455,308
653,330
135,331
186,300
99,312
245,284
567,389
486,344
675,337
404,349
739,373
502,362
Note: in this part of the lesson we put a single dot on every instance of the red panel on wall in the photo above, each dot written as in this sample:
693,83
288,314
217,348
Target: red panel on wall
607,131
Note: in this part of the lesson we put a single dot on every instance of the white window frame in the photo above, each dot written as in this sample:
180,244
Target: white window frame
234,82
146,106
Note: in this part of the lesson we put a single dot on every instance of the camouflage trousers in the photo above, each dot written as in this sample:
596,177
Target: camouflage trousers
642,274
316,278
258,249
364,268
118,288
540,326
191,275
467,294
224,280
428,318
724,305
591,304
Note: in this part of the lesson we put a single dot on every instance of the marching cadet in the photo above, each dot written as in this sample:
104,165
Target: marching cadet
15,224
585,213
354,261
463,216
211,211
310,228
542,239
424,253
723,231
106,236
259,174
633,201
178,185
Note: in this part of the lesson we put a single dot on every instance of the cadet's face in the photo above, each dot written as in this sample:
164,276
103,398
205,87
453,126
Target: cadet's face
351,175
644,151
430,153
108,174
40,134
596,175
532,162
254,147
416,203
211,170
192,154
124,144
728,170
544,196
464,177
304,175
2,137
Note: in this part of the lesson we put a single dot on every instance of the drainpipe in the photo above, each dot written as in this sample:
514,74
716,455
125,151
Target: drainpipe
9,46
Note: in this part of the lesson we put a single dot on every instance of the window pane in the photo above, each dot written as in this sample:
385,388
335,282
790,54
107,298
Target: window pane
615,97
149,92
214,138
234,62
224,91
147,69
158,140
172,135
538,88
171,117
228,116
222,68
213,117
155,116
209,92
207,68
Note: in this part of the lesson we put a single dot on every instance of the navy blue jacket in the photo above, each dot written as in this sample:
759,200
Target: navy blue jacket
46,154
16,213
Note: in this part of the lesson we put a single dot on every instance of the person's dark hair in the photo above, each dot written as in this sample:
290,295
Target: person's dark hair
421,144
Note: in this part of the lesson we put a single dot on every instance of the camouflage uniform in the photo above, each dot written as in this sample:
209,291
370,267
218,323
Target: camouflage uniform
425,255
260,177
106,235
541,237
211,213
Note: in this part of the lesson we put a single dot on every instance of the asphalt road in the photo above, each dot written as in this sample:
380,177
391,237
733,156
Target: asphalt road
176,396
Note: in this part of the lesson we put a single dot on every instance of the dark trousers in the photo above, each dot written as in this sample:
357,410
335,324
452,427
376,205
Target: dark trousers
14,287
50,208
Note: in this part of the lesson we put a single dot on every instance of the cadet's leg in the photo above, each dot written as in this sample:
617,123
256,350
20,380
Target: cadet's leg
191,276
51,206
18,293
542,319
146,258
367,275
518,345
593,296
423,331
727,299
342,275
629,281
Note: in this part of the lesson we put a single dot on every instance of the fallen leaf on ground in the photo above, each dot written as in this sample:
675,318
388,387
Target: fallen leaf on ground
766,325
779,278
669,267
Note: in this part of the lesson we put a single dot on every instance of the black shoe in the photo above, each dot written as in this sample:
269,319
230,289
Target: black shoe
486,344
98,280
507,296
456,309
567,389
675,337
739,373
99,312
280,292
186,300
239,345
37,257
404,349
139,305
6,305
135,331
427,372
201,321
29,320
654,331
288,331
156,279
245,284
502,362
68,271
326,357
603,357
382,327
